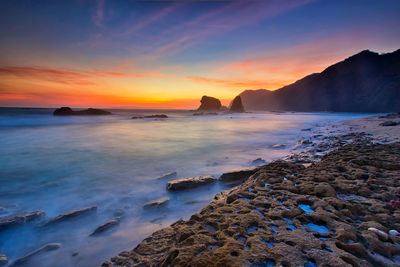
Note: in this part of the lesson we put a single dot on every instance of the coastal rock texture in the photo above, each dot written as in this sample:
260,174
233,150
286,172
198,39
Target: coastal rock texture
240,175
209,103
237,105
20,219
289,215
191,182
67,111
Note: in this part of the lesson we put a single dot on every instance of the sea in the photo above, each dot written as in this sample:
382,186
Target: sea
61,163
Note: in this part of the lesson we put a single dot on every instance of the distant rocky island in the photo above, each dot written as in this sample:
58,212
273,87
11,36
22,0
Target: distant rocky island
365,82
67,111
209,103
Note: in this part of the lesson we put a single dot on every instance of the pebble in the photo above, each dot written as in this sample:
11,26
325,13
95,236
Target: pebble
393,233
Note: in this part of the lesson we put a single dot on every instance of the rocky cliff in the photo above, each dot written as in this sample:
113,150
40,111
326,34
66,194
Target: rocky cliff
365,82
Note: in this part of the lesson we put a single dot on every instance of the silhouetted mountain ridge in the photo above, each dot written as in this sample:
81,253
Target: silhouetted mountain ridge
364,82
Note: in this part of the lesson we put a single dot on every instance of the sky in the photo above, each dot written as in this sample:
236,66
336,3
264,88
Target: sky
147,54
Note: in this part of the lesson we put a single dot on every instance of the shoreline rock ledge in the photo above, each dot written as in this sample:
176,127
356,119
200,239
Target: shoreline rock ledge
191,182
272,221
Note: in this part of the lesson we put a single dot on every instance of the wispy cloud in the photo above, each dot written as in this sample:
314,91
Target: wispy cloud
99,13
238,83
69,76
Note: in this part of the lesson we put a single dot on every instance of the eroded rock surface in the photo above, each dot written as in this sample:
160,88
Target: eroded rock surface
289,215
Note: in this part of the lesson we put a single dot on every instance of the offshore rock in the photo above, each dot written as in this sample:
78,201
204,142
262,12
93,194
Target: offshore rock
209,103
191,182
156,203
20,219
106,226
237,105
67,111
71,214
48,247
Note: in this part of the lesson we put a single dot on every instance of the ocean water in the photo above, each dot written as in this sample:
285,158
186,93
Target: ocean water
57,164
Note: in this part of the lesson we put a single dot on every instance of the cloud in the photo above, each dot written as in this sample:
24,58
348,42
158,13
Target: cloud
68,76
99,13
241,83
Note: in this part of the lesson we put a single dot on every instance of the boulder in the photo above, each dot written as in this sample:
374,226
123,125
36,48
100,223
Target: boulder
67,111
237,105
3,259
48,247
240,175
209,103
191,182
156,203
106,226
388,123
19,219
71,214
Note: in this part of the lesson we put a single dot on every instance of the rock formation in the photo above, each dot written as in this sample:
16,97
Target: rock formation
365,82
67,111
20,219
289,215
210,103
190,182
237,105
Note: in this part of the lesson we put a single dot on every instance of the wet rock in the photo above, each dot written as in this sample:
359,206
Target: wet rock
382,235
3,259
106,226
240,175
48,247
258,162
304,142
191,182
168,175
156,203
67,111
156,116
325,190
20,219
71,214
278,146
237,105
388,123
209,103
393,233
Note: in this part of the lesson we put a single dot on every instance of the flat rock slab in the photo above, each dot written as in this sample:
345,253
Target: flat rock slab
156,203
20,219
71,214
239,175
106,226
48,247
191,182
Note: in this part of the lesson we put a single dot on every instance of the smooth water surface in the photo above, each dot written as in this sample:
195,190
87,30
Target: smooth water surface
57,164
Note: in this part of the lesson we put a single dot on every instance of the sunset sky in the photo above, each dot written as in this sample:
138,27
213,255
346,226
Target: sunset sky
169,53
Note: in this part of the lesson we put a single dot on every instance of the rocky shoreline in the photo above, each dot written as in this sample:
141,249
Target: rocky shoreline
326,205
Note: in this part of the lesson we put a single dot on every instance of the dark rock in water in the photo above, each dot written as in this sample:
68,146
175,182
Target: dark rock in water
258,162
209,103
167,175
156,203
106,226
191,182
71,214
48,247
240,175
388,123
237,105
67,111
278,146
19,219
156,116
3,259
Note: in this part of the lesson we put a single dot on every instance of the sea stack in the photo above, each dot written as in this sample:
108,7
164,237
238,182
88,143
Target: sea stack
237,105
209,103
